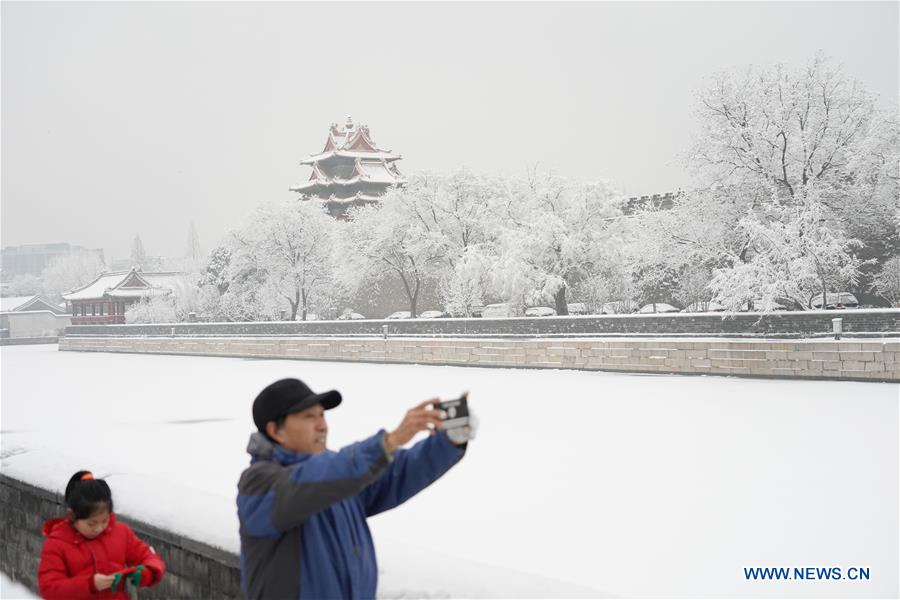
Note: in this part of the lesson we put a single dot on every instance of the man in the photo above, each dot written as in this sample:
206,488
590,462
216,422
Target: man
303,508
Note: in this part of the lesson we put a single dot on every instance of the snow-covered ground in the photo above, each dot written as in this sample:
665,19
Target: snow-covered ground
580,483
13,590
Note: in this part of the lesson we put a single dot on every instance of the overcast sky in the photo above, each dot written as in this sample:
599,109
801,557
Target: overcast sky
121,119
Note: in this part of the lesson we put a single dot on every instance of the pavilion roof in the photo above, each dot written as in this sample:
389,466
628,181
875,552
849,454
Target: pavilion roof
128,284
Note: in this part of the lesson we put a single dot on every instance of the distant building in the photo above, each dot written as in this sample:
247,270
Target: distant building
655,201
33,258
31,317
105,300
351,170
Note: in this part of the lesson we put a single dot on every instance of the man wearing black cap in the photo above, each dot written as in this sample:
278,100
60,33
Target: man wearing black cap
303,508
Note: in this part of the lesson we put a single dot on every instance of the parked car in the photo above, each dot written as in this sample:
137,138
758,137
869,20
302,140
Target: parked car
618,307
350,316
835,300
496,311
540,311
433,314
577,308
400,314
659,307
704,307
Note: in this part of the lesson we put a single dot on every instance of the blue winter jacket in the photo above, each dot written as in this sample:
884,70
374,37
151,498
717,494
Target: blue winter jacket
303,516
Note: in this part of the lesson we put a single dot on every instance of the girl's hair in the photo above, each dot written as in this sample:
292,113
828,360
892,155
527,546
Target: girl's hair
86,495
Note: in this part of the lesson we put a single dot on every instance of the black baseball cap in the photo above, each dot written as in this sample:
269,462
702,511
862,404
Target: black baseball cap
287,396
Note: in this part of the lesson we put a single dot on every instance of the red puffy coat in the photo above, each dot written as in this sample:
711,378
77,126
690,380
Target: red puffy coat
69,560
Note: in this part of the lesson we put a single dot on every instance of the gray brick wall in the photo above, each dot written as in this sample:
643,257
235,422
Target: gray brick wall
847,359
194,569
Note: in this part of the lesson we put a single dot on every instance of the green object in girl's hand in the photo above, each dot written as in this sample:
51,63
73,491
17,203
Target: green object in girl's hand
117,579
135,577
128,576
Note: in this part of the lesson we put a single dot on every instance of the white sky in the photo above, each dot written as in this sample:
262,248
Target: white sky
134,118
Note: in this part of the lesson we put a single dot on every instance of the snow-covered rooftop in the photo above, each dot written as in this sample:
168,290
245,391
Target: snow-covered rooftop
114,285
380,155
375,171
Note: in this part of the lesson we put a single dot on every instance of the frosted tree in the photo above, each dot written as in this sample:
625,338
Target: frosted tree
453,211
289,244
464,284
553,234
24,285
693,291
70,271
793,138
887,281
610,287
214,280
798,251
390,238
152,309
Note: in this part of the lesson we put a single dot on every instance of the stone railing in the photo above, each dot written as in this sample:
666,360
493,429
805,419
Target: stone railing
846,359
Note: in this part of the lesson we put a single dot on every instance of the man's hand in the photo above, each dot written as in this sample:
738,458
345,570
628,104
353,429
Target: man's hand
462,435
103,582
417,419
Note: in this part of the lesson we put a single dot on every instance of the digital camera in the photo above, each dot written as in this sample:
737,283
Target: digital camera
457,411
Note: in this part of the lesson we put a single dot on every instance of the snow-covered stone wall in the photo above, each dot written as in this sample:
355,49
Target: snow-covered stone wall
847,359
776,324
194,569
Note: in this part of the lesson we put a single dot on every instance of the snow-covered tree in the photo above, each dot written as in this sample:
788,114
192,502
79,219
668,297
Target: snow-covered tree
391,238
454,210
693,287
610,288
464,284
553,234
71,271
152,309
790,127
887,281
792,145
24,285
798,251
289,244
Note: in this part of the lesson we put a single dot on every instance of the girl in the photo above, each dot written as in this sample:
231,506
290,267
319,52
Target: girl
88,553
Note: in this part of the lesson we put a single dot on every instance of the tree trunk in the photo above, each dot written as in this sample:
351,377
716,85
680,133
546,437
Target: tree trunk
562,307
412,301
303,317
411,295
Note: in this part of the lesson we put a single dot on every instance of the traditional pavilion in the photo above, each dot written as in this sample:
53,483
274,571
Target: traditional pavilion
351,170
105,300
